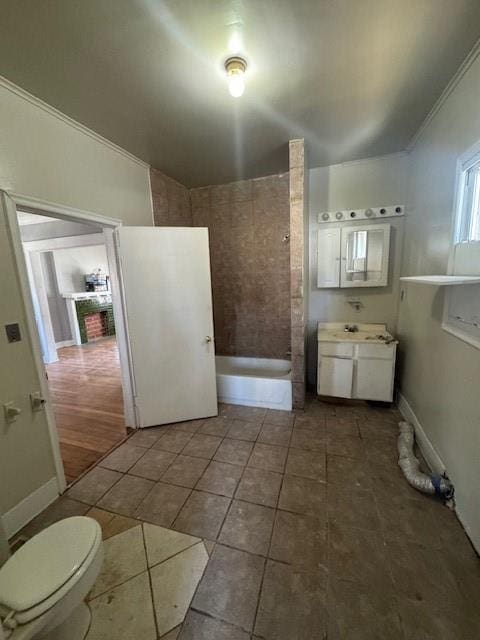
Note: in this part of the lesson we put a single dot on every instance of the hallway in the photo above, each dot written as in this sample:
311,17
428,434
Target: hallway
86,391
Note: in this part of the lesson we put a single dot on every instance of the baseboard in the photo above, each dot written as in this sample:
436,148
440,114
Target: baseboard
426,447
30,507
64,343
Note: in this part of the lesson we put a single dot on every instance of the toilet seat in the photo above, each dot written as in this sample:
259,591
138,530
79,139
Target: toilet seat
46,567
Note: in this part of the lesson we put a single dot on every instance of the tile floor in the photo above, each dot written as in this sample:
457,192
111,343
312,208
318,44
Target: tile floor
310,529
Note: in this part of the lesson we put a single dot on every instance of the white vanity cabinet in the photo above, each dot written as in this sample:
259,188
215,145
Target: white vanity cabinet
356,365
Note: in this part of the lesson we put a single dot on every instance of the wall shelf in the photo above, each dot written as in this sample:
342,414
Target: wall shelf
442,281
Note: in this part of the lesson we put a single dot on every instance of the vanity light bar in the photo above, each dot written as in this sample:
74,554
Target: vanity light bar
372,213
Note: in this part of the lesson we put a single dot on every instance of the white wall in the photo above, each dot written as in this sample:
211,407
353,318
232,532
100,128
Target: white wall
440,373
47,156
71,266
365,183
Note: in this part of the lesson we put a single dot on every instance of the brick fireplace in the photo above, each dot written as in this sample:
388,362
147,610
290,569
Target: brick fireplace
96,325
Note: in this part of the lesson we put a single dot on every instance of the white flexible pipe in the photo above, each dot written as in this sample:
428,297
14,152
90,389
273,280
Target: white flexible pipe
410,465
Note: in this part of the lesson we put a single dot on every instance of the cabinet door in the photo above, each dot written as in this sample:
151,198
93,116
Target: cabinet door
374,380
335,377
328,258
365,254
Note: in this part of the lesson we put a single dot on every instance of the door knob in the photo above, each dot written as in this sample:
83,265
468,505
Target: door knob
208,339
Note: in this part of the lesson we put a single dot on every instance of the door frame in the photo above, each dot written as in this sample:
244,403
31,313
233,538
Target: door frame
14,202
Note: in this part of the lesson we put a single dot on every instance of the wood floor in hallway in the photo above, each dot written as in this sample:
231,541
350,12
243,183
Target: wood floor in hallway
86,390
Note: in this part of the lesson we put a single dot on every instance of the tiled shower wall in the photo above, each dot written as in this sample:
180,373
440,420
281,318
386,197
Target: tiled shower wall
171,201
248,224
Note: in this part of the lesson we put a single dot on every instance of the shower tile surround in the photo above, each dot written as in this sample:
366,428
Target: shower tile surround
248,222
332,543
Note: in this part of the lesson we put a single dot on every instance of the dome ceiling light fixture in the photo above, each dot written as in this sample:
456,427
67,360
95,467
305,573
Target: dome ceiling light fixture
235,68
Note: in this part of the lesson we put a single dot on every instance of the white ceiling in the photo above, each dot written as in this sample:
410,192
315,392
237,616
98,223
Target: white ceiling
354,77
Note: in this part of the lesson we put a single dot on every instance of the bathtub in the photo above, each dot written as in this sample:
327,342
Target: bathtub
256,382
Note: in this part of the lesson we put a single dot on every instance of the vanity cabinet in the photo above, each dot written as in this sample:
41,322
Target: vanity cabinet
364,370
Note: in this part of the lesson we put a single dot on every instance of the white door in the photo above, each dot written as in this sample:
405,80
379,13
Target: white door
328,258
168,300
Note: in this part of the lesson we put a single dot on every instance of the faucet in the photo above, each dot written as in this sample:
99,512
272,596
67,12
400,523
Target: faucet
351,328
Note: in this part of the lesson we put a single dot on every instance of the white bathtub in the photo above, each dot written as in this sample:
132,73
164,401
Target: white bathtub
255,382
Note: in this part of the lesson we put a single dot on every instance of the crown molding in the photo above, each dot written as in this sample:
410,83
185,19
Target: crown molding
455,80
13,88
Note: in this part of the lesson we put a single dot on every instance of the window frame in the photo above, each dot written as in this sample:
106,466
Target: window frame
465,162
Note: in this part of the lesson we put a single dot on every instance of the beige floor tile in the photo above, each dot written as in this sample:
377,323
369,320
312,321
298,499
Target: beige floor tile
162,504
382,452
348,472
284,418
342,426
202,446
125,496
359,555
173,584
111,523
302,495
352,508
220,478
162,543
410,520
349,446
268,457
173,634
94,485
234,451
355,611
378,430
202,515
422,574
307,464
124,558
61,508
306,421
146,437
308,439
153,464
230,586
124,612
422,621
292,604
259,486
275,434
185,471
217,426
122,458
200,627
173,441
188,426
248,527
243,430
250,414
299,540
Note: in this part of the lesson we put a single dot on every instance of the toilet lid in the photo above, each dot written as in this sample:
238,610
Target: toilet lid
44,563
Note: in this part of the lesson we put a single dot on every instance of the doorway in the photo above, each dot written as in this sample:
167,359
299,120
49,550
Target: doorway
69,277
162,304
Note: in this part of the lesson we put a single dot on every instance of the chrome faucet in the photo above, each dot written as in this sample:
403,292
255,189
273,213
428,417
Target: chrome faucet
351,328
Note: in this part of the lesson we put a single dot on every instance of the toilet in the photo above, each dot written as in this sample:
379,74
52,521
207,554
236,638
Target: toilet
44,584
